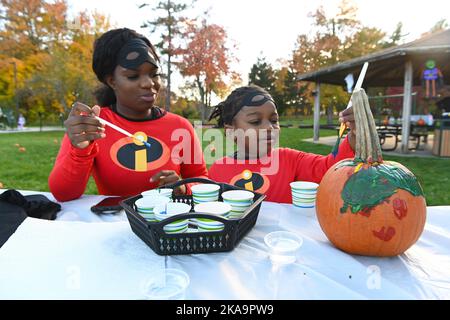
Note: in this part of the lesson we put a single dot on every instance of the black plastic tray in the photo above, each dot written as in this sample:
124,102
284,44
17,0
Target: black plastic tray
160,242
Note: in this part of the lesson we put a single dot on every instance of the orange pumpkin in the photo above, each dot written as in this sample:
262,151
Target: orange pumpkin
421,122
368,206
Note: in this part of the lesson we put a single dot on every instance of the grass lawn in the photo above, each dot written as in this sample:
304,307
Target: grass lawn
29,170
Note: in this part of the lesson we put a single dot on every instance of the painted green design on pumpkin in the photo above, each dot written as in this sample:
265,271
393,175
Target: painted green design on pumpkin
371,186
402,179
346,163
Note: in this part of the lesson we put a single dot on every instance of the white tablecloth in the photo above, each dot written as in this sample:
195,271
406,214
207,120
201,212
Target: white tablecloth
85,256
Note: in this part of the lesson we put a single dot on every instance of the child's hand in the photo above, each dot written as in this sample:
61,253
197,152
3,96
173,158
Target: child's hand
348,118
167,177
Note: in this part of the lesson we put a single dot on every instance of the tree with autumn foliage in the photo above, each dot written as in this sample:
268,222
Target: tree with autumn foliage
207,59
52,55
334,39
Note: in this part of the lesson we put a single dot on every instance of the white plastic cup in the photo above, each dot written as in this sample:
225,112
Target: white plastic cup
167,284
283,246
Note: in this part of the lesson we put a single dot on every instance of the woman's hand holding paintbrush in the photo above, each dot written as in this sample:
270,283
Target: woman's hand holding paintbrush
82,126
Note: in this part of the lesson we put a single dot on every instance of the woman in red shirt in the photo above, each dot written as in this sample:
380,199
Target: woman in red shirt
128,66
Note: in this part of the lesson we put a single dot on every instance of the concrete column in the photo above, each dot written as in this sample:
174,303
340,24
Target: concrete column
317,112
407,104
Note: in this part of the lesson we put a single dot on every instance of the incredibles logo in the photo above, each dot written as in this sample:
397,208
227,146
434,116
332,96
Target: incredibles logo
251,181
132,154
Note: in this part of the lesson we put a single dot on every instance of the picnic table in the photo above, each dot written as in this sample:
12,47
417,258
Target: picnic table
417,132
82,255
389,131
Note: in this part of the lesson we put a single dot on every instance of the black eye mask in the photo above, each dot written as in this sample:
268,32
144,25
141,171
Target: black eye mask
134,53
248,101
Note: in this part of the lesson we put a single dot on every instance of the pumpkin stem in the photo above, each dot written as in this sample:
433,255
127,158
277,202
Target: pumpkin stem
368,148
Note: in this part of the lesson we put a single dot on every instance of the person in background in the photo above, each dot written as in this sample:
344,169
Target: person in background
21,122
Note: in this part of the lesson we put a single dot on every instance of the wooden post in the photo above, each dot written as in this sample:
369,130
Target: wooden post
317,112
407,104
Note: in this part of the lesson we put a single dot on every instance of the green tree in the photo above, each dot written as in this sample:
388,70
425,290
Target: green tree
186,108
172,23
293,93
263,75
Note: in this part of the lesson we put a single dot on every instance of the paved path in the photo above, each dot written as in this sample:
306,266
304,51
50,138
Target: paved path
424,151
34,129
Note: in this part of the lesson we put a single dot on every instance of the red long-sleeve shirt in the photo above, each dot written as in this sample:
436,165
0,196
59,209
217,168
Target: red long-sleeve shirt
272,175
122,167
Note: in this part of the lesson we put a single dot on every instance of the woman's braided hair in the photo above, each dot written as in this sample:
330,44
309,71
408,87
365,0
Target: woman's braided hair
104,60
226,110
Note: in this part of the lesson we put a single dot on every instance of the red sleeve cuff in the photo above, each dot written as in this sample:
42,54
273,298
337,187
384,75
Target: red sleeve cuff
345,150
89,151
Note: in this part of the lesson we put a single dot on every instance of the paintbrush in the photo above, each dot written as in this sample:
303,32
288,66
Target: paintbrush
343,125
138,137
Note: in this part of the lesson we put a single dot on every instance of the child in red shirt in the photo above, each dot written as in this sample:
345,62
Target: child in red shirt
127,64
250,117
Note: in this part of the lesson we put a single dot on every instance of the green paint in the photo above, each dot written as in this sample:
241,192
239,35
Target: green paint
402,179
371,186
346,163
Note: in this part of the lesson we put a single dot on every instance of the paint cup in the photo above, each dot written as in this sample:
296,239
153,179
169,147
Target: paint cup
146,205
304,194
239,200
214,208
205,192
164,211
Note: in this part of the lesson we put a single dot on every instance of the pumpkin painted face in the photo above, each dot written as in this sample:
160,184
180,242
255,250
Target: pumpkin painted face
368,206
380,209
